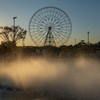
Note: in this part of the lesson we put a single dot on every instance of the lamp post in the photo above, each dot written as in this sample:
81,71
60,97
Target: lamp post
75,41
14,26
14,20
88,37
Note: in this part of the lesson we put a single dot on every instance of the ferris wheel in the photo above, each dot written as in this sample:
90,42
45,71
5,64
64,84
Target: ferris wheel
50,26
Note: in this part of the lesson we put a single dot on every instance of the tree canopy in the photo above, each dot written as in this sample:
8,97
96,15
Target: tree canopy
11,35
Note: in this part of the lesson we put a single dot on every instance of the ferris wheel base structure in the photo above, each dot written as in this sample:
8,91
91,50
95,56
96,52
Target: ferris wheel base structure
50,26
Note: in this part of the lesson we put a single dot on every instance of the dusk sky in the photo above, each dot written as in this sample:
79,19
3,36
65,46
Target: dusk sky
84,16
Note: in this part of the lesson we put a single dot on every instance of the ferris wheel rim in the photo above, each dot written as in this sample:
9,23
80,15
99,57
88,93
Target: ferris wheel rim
61,31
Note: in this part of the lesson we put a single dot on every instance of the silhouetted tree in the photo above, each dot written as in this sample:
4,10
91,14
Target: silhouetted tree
12,35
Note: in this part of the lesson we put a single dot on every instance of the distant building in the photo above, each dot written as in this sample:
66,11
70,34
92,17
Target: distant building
97,49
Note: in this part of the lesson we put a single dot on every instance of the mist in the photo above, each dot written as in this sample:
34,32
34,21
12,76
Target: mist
74,78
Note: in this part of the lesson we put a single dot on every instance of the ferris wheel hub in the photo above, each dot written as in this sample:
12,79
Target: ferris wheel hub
49,27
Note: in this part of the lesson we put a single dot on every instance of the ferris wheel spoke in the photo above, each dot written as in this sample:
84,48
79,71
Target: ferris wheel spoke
45,17
52,16
57,36
60,35
38,28
48,16
35,23
62,26
39,22
52,19
63,20
41,31
42,37
66,33
60,21
56,39
37,36
36,20
45,20
66,40
42,19
63,29
59,32
36,33
57,19
33,40
56,22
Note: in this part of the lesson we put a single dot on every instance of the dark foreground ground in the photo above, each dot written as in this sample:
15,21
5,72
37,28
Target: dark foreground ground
30,96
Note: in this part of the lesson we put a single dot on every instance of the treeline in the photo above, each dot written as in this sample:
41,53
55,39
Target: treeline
76,49
80,48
